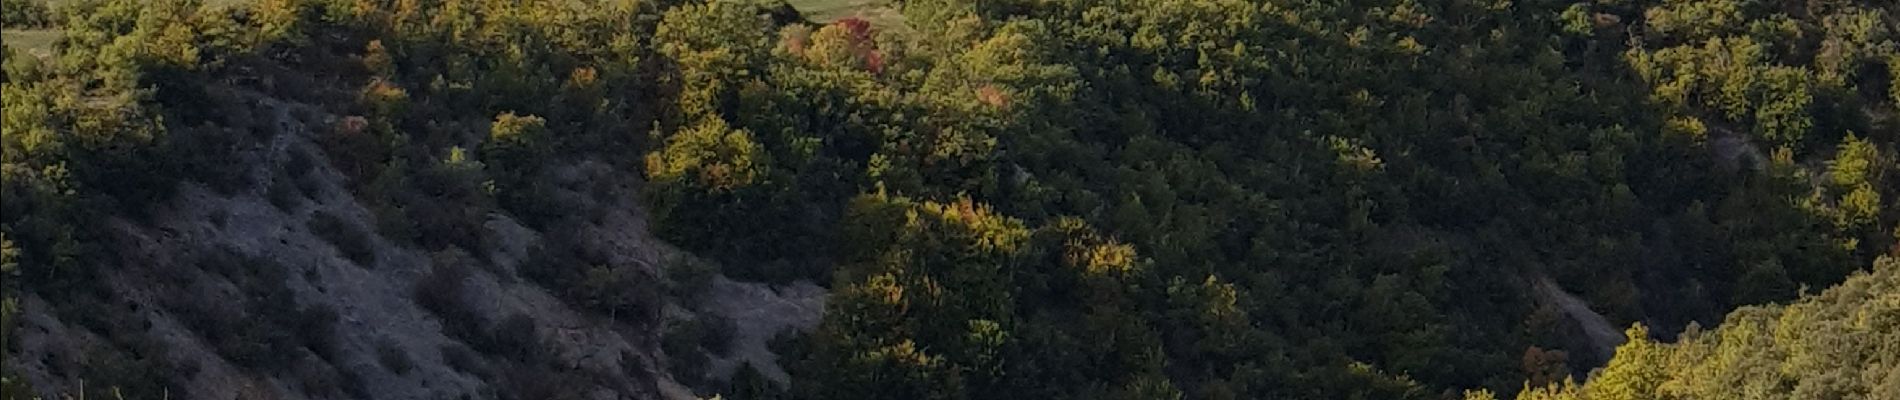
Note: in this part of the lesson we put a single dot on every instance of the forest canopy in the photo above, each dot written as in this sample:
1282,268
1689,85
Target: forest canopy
1140,199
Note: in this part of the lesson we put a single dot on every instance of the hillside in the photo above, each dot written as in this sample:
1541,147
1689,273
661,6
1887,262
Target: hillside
1838,344
944,199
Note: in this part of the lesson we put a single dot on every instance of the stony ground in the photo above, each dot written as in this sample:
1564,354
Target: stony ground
375,303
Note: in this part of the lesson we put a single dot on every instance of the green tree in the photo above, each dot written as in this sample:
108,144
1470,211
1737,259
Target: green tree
708,156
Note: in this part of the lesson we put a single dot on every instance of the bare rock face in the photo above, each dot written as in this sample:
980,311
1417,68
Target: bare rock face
1735,151
206,269
1600,336
758,313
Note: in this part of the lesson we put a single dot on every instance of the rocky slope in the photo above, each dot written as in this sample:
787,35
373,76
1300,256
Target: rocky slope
206,266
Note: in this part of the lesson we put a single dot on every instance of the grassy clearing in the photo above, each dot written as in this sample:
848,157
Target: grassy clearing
38,42
878,12
824,11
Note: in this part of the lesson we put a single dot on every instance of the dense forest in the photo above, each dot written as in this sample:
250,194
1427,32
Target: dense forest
1069,199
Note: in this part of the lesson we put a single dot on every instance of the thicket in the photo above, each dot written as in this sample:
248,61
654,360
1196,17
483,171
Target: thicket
24,14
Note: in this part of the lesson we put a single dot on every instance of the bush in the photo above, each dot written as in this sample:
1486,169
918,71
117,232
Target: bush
276,330
283,195
747,383
315,326
320,380
394,224
348,238
542,382
264,329
24,14
205,155
688,279
226,261
450,206
716,336
443,292
356,150
105,370
464,360
393,358
584,277
310,186
515,338
448,223
681,345
299,164
259,346
354,385
618,290
202,312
